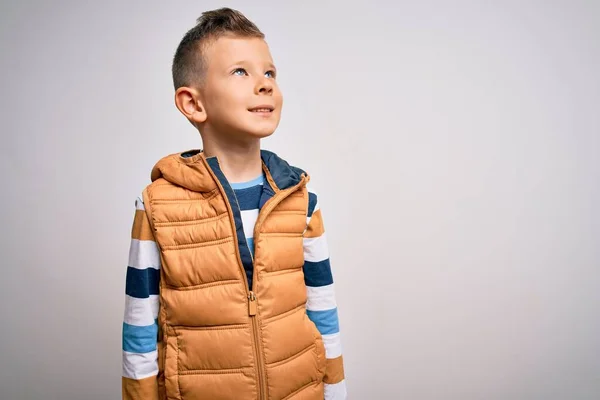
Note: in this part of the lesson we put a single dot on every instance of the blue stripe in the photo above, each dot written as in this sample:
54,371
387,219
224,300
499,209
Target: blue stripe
317,273
312,203
141,283
326,321
249,199
251,244
140,339
244,185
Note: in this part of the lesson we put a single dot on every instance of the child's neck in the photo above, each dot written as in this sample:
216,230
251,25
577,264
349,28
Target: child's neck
239,162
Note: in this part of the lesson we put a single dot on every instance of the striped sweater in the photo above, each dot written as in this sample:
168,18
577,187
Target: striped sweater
140,326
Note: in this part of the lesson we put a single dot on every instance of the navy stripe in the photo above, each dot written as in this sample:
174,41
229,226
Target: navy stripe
317,273
141,283
266,195
245,255
312,203
140,339
249,198
326,321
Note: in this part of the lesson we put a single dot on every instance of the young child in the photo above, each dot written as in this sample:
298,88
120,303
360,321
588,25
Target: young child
229,291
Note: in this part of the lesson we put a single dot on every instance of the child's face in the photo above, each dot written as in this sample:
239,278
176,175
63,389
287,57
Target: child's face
240,79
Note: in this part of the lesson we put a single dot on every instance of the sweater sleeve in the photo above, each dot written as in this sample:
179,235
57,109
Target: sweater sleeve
321,305
140,327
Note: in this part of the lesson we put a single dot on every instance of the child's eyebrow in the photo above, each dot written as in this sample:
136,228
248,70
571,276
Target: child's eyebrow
244,62
241,62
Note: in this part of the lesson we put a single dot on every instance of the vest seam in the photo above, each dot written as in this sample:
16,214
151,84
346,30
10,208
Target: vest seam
280,234
210,328
311,383
190,221
211,195
312,346
297,195
163,327
214,371
178,383
201,244
293,212
202,285
281,271
284,314
170,201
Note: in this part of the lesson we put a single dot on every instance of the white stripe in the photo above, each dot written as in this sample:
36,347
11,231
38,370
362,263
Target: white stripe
141,312
139,204
140,366
333,345
248,221
320,298
337,391
317,205
144,254
315,249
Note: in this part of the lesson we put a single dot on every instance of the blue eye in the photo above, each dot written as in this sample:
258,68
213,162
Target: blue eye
270,74
239,72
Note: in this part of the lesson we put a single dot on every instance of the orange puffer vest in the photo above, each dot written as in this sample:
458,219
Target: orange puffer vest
218,338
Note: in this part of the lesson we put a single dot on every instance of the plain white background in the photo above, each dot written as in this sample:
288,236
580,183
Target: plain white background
454,146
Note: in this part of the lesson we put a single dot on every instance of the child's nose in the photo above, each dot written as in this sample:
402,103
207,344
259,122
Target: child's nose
264,86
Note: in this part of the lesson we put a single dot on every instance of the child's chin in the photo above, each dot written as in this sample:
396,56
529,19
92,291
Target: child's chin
261,133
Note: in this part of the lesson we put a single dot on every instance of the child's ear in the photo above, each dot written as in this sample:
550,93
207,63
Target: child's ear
189,103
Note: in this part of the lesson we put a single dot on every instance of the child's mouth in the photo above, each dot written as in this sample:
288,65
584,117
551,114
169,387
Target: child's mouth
262,109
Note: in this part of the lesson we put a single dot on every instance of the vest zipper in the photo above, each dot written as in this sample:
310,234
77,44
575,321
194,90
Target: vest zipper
252,299
260,362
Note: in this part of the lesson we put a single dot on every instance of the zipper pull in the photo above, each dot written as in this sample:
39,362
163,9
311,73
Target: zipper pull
252,304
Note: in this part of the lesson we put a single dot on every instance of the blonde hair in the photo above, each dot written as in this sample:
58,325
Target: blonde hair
189,63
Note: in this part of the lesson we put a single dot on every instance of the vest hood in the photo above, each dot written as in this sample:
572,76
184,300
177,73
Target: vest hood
189,170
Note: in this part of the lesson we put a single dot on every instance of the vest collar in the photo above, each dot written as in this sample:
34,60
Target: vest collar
187,169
